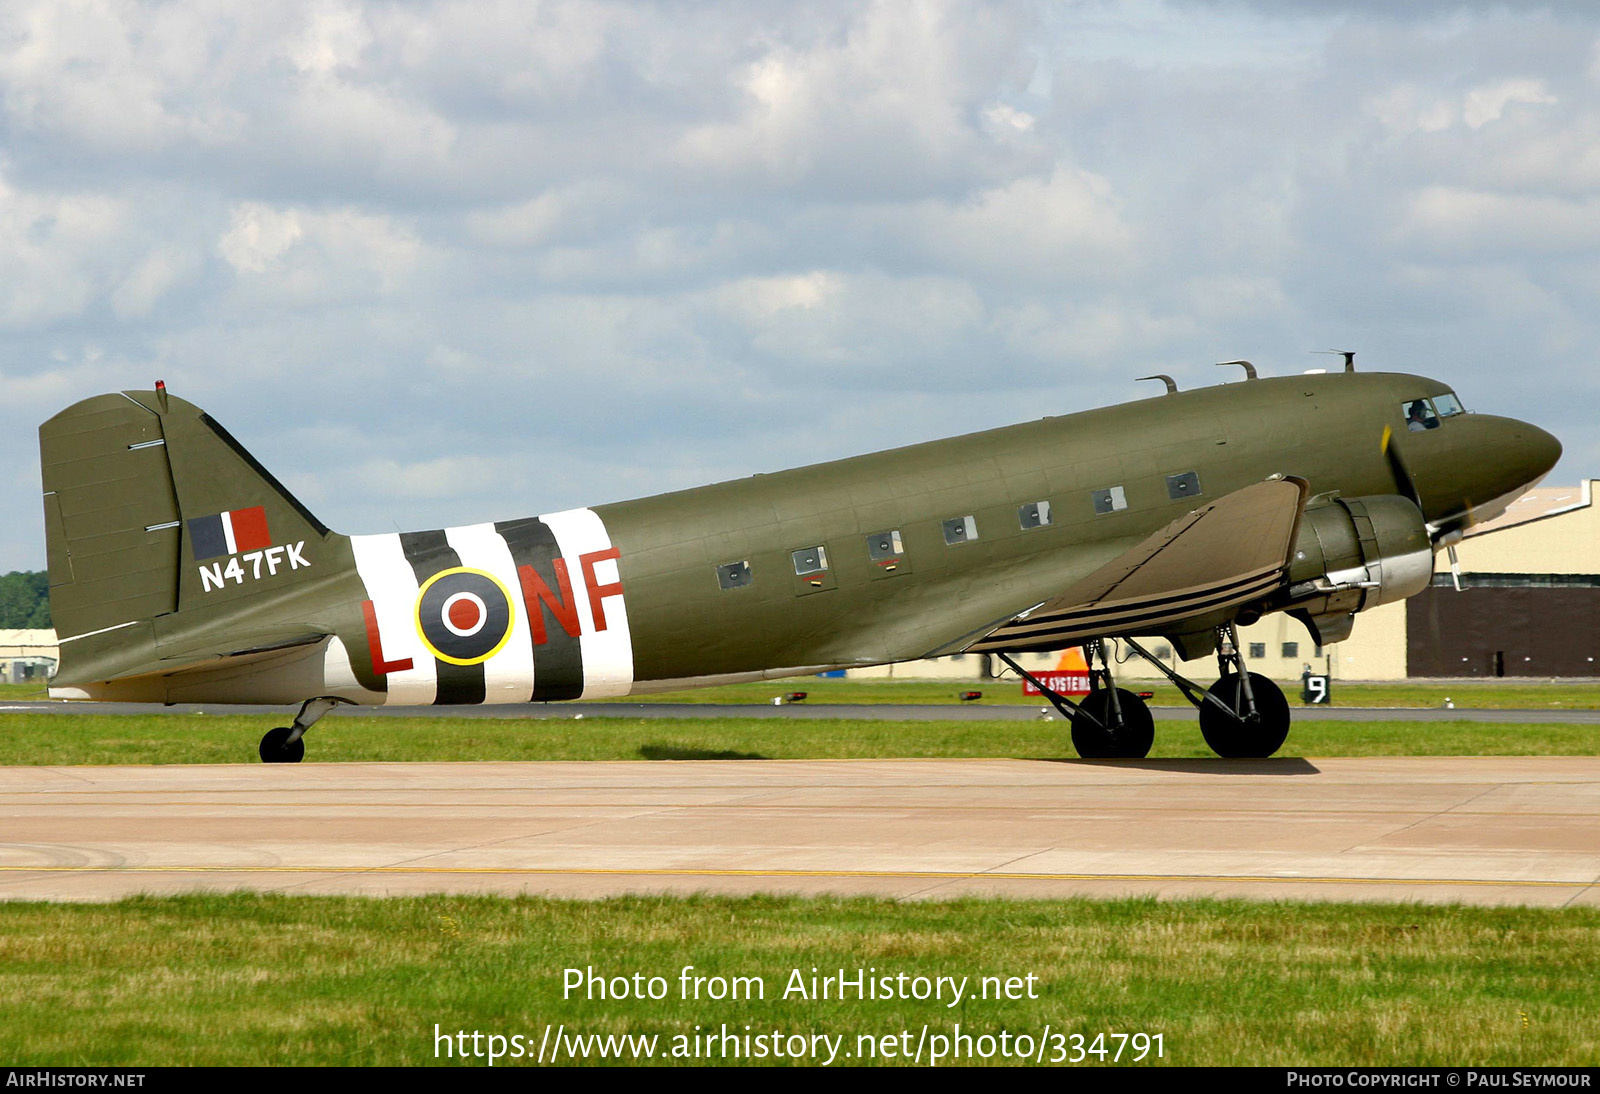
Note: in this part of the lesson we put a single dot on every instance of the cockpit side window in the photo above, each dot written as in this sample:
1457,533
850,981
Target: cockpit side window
1419,415
1447,405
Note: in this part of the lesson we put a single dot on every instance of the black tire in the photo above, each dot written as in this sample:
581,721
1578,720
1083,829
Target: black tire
274,751
1131,740
1235,739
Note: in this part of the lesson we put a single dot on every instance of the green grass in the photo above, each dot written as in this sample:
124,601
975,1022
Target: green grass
258,979
232,738
1484,694
23,692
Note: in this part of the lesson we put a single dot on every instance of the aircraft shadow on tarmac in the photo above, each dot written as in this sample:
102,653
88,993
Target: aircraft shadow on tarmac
677,752
1284,765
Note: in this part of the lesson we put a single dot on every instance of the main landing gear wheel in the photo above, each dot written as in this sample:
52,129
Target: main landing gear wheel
1131,739
274,750
1234,737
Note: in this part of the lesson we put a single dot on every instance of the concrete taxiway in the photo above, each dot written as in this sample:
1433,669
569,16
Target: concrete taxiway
1484,830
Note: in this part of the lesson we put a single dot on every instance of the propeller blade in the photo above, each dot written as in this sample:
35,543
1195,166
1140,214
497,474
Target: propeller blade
1404,484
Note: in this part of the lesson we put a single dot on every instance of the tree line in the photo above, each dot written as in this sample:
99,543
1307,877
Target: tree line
25,600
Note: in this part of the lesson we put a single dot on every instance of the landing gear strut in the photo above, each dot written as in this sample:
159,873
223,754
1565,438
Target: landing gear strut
285,745
1251,718
1243,714
1110,722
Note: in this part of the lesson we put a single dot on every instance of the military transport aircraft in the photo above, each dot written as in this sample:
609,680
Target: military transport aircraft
182,571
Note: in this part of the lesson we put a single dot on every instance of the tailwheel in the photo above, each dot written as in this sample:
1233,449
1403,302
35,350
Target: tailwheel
1254,734
1098,733
277,748
286,744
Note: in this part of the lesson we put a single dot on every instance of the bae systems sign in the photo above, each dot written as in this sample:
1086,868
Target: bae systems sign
1062,683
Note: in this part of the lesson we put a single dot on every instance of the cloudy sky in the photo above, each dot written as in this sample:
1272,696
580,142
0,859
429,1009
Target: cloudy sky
441,262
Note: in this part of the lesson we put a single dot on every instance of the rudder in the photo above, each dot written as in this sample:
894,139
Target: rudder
110,515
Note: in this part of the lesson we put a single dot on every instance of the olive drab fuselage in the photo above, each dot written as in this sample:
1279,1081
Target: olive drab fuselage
218,586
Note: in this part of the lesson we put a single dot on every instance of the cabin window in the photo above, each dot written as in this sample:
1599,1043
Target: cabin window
1291,649
1183,485
1036,514
884,545
960,530
1110,500
1419,415
1258,649
734,575
1447,405
810,560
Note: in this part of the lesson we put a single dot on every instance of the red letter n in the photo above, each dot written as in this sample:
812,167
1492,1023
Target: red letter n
535,593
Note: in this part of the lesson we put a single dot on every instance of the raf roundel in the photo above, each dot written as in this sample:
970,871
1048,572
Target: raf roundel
464,615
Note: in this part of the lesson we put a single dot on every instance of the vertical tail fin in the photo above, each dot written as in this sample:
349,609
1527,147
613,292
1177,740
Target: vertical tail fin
152,508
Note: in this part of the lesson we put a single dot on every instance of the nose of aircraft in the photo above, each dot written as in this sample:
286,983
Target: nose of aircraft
1514,456
1530,452
1484,463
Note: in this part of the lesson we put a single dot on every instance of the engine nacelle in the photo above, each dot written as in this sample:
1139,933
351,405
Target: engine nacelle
1353,554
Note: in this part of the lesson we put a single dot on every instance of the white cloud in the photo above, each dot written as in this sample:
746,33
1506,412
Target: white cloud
259,236
890,100
53,252
334,36
868,324
1093,334
310,255
121,78
1469,222
512,52
1407,108
766,296
1483,105
1004,117
559,215
1066,225
152,279
1236,297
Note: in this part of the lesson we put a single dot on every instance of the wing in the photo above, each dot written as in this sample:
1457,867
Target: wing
1223,555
